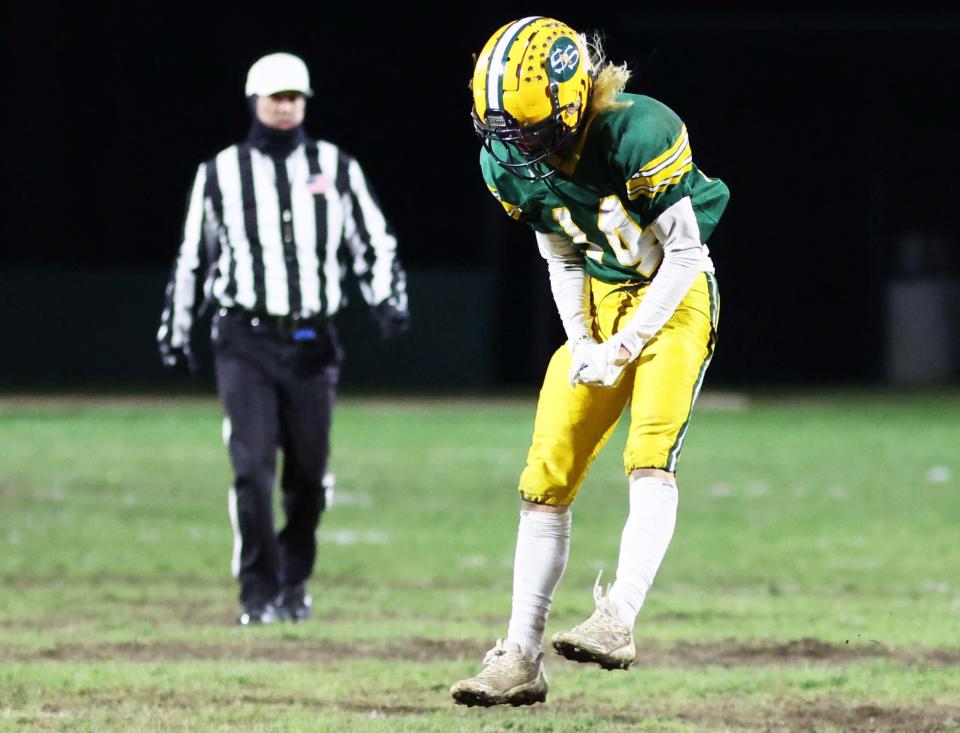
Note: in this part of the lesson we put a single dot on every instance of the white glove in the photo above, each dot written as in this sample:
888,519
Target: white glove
601,365
593,364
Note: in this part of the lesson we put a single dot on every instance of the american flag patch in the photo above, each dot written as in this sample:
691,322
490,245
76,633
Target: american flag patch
318,183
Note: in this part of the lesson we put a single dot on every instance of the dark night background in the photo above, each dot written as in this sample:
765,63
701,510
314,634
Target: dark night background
832,129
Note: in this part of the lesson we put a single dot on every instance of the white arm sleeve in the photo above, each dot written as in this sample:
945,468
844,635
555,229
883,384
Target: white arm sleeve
684,257
568,283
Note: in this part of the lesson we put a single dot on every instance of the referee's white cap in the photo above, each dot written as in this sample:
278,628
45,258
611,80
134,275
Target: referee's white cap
278,72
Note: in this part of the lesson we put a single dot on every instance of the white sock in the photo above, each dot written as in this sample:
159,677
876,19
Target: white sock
646,535
543,544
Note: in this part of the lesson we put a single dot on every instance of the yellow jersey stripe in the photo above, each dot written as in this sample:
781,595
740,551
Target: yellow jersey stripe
661,183
672,151
513,211
662,169
664,159
647,182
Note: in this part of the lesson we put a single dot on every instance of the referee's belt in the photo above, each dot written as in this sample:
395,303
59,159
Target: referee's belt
290,327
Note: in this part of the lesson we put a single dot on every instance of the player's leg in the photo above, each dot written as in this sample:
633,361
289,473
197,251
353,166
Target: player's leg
663,401
606,636
251,433
306,408
540,558
571,426
668,378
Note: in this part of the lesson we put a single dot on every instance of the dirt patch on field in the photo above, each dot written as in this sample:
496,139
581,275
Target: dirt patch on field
807,716
787,716
732,653
818,714
719,714
726,714
257,646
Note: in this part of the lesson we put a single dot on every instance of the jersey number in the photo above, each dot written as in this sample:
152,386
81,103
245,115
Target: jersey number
623,234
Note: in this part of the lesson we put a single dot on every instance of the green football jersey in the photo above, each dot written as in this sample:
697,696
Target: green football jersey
630,165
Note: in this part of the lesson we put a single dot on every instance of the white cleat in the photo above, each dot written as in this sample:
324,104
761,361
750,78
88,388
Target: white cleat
507,678
602,638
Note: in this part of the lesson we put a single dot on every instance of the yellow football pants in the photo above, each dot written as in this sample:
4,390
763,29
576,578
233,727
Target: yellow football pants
574,423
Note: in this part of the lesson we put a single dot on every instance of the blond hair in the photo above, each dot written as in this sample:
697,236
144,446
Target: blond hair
609,79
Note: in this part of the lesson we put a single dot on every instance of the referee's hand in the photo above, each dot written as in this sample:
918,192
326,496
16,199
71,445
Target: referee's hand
391,320
178,359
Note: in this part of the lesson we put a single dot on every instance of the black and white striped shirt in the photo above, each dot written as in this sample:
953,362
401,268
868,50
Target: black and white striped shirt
279,237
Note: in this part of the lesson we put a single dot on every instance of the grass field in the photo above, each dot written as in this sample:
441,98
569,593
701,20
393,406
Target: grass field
813,583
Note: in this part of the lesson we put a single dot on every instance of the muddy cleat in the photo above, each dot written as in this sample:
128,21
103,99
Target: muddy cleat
507,678
602,638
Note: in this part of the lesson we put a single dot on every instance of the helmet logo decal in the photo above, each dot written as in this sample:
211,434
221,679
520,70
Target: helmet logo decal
564,60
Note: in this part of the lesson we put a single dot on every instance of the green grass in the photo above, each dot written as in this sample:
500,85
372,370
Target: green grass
813,582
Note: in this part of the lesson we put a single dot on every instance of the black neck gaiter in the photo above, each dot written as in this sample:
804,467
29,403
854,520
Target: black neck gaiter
274,142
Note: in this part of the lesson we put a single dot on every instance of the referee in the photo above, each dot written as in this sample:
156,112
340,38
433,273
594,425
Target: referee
273,226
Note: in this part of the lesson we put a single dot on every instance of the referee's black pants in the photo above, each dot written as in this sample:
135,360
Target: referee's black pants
278,393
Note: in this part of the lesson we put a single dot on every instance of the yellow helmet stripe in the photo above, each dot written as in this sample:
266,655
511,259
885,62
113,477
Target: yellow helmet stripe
497,63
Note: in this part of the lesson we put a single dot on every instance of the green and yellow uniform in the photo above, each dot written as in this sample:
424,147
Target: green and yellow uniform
630,165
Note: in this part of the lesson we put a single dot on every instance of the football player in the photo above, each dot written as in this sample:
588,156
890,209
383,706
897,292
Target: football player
621,215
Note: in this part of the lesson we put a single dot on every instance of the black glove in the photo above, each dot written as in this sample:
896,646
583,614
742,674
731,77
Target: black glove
391,320
178,359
